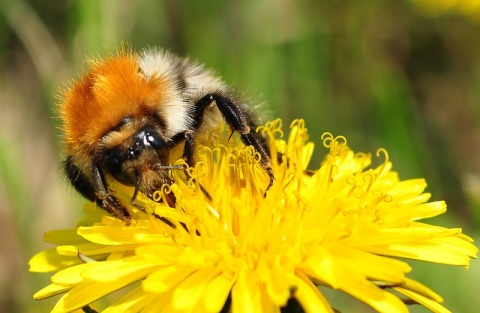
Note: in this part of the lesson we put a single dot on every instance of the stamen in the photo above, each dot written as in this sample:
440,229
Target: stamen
385,162
84,258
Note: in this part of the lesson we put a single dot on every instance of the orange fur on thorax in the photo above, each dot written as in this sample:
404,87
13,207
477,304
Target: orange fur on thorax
97,103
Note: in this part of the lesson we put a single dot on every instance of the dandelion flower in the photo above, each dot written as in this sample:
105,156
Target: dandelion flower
226,245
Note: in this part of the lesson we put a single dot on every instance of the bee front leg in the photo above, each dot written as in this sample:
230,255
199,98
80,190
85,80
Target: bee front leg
106,201
95,190
113,206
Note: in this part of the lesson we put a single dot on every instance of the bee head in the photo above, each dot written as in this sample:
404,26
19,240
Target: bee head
142,154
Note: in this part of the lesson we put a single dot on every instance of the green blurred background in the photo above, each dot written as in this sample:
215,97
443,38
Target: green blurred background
402,75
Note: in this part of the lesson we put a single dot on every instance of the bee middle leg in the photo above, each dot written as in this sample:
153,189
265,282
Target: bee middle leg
238,119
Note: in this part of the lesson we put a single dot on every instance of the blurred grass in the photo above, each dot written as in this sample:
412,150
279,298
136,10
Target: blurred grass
383,73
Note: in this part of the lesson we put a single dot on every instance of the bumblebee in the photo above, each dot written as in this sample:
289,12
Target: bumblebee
124,119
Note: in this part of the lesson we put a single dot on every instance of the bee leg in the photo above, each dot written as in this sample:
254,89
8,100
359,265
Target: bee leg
189,149
255,140
96,191
189,153
239,120
113,206
106,201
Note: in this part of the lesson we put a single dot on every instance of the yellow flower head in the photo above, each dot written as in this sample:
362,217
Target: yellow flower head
229,245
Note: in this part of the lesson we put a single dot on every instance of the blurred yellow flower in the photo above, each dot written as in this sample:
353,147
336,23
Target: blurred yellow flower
226,245
438,7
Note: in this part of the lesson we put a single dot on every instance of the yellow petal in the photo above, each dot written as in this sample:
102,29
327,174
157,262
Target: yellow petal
418,288
113,270
216,292
188,292
308,295
161,254
372,266
406,190
162,303
365,291
321,265
93,249
50,260
71,276
426,302
246,296
108,235
398,218
50,291
134,301
449,250
63,237
90,291
402,235
279,283
165,278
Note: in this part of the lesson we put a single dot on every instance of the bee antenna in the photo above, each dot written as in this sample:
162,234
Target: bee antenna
168,167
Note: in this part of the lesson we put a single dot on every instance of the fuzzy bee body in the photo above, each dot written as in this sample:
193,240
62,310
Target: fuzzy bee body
133,115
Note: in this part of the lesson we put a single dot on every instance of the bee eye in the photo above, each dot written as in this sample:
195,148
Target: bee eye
153,139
